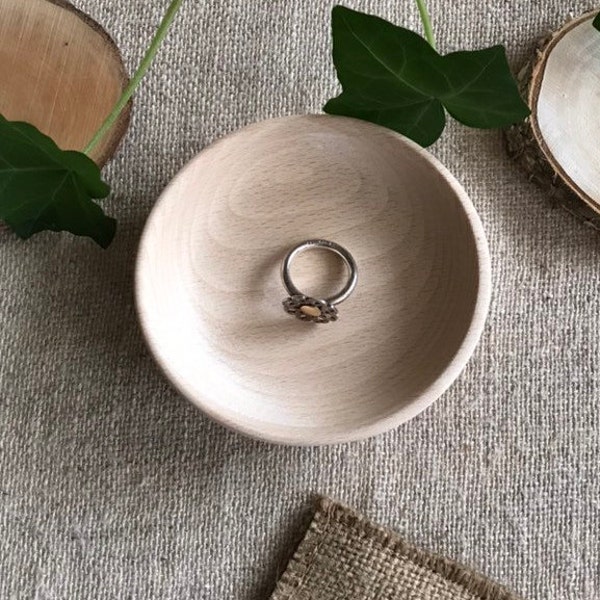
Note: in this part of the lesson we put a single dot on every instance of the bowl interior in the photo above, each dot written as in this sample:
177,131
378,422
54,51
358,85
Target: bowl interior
209,287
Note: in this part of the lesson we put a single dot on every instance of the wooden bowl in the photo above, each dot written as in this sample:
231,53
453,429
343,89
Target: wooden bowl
209,290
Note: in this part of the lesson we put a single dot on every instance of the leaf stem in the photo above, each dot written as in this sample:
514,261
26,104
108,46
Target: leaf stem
128,92
424,13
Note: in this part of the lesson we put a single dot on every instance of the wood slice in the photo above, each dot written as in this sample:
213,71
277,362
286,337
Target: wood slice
61,72
558,144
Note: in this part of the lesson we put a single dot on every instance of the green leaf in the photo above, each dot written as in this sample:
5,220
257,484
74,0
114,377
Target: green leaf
484,93
45,188
393,77
596,22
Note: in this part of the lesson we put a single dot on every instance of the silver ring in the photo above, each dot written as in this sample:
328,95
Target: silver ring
317,310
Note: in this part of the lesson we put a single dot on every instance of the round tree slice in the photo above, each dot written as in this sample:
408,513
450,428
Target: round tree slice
558,145
61,72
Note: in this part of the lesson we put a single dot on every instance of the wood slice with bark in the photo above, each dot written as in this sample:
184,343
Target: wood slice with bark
62,72
558,144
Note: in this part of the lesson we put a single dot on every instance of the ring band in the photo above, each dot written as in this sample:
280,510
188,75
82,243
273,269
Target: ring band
311,309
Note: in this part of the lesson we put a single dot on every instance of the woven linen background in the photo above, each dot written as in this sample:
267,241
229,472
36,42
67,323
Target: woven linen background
112,486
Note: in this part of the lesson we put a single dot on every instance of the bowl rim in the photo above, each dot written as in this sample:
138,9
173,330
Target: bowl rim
378,426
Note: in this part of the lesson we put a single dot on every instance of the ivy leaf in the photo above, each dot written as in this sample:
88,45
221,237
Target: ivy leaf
393,77
596,22
45,188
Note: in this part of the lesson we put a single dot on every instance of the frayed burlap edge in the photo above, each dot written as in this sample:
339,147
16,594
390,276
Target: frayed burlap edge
330,515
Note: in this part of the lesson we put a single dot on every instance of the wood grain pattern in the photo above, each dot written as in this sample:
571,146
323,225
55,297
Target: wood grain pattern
209,290
60,71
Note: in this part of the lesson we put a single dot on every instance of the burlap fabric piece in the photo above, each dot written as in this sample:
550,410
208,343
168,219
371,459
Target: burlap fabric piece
344,556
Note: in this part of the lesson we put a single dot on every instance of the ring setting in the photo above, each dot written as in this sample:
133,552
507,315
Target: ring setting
308,308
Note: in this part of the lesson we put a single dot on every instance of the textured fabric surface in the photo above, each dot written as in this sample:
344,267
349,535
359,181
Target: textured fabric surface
112,486
344,556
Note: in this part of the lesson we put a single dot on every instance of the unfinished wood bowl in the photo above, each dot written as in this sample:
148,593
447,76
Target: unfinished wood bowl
209,290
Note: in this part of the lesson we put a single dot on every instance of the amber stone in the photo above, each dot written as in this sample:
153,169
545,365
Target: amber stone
310,311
